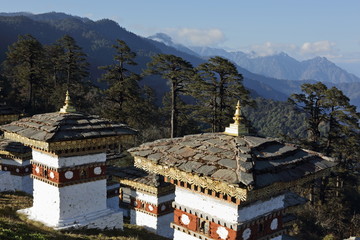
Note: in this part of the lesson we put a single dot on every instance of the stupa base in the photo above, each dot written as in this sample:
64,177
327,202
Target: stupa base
104,219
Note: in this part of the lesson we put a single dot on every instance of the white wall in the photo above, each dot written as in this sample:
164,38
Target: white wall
178,235
225,210
159,225
26,183
52,203
261,207
10,182
57,162
163,226
143,219
152,198
212,206
6,181
15,162
81,199
113,202
46,205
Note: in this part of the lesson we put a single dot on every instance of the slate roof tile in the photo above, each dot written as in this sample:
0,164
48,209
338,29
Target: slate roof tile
226,175
244,160
69,126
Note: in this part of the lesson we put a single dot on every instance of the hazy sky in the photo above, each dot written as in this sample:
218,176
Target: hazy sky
301,28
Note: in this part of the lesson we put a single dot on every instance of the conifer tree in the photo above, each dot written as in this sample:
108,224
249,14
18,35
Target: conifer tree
217,88
24,69
311,102
74,60
342,123
333,123
68,70
179,73
123,97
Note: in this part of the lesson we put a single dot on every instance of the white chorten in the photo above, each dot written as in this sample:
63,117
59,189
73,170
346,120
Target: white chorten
230,185
15,167
68,167
146,199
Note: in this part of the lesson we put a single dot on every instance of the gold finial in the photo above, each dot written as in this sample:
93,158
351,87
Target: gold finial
67,108
237,116
239,126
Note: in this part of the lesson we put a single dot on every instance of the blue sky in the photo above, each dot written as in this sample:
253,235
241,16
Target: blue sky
303,29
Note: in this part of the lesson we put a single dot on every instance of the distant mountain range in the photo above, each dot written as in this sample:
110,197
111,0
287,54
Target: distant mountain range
96,38
280,66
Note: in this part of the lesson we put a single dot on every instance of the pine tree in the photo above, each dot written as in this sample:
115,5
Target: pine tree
342,124
179,73
311,102
24,69
333,122
68,71
217,88
74,60
123,100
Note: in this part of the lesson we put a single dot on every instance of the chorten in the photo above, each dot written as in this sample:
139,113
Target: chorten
15,167
68,166
231,185
146,199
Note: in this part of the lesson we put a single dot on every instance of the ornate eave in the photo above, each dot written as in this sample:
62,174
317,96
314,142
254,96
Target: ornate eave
158,191
237,192
18,156
71,146
205,182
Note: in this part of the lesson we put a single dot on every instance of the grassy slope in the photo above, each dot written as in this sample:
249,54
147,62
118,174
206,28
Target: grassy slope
15,226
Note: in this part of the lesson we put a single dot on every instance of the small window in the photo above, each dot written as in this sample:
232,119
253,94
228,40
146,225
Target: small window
261,227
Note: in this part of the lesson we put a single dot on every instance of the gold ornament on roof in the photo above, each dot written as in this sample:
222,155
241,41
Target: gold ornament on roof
239,127
68,107
237,116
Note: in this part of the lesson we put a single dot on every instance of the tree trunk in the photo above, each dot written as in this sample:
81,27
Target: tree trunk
173,132
221,104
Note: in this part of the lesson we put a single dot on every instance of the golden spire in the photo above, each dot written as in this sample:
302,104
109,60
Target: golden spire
237,116
239,126
67,108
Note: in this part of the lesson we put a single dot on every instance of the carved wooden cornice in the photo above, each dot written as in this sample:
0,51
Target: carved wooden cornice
71,147
244,195
205,182
157,191
13,155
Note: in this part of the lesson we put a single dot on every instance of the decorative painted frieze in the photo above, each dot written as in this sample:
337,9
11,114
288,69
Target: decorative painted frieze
208,229
70,175
151,208
16,170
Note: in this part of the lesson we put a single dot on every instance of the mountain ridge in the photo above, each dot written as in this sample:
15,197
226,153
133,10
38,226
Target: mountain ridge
282,66
96,38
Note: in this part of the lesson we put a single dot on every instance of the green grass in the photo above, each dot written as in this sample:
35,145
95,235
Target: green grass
16,226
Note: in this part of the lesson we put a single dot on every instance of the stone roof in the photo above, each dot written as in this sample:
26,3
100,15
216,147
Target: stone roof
137,175
55,127
241,161
11,149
